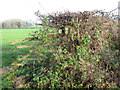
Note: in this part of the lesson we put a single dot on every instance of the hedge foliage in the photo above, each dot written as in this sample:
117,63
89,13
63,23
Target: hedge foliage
75,50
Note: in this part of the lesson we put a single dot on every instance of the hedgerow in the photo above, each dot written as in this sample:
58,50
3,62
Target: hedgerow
74,50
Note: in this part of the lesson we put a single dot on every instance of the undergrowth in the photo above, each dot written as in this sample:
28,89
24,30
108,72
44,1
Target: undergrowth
81,54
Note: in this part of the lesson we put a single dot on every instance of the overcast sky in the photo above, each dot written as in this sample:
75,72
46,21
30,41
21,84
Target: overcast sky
24,9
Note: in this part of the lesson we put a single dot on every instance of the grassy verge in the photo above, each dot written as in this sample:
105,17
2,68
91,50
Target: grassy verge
10,52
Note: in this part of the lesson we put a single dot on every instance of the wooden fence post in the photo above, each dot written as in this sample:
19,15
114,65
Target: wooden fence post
119,25
119,10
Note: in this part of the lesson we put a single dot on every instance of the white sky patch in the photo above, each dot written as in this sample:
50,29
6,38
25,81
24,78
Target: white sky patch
24,9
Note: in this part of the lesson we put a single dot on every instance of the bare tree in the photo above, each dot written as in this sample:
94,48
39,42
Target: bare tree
15,24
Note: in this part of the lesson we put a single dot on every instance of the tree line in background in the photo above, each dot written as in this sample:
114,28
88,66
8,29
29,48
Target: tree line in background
14,24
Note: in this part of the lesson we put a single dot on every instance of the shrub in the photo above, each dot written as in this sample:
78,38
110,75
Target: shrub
78,52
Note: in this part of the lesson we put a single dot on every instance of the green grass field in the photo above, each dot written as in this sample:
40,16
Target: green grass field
11,35
10,52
